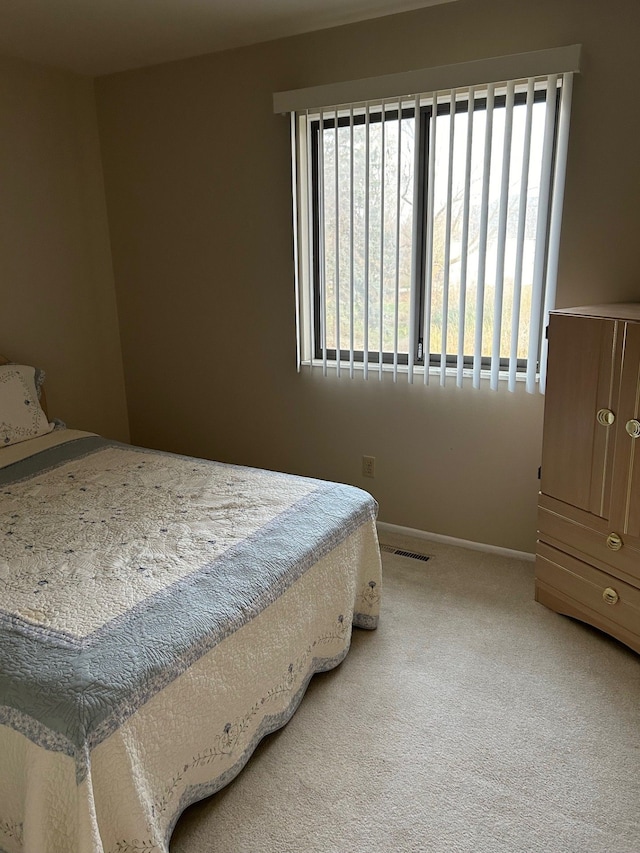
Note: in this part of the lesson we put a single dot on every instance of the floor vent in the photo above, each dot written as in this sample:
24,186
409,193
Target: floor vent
389,549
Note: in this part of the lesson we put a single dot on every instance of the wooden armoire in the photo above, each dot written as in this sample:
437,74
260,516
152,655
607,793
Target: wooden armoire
588,553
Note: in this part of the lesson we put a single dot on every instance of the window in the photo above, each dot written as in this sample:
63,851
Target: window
427,230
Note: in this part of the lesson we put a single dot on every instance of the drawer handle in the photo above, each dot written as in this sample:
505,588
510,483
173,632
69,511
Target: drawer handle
614,542
610,595
633,428
605,417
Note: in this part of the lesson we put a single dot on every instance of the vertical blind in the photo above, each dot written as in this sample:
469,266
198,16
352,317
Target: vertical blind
427,231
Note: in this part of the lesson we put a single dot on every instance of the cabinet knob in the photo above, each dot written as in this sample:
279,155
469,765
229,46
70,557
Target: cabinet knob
614,542
633,428
610,595
605,417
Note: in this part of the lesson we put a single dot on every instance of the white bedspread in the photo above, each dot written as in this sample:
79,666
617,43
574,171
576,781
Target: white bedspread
158,616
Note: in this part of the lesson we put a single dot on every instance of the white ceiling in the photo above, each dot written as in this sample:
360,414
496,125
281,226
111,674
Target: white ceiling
104,36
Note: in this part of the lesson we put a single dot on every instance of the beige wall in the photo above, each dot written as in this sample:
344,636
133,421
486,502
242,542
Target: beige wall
198,191
57,299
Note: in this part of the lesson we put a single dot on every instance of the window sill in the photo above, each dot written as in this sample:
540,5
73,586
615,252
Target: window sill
347,370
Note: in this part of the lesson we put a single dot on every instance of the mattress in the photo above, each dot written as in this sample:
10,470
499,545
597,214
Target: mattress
159,615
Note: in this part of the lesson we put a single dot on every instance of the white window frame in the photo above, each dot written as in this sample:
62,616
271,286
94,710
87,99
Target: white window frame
565,61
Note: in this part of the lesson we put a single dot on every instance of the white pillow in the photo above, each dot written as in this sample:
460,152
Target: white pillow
21,416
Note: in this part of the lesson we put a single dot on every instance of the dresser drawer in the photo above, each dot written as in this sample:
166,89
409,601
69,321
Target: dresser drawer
571,586
587,537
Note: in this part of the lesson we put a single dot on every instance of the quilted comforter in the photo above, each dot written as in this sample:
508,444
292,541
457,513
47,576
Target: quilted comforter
158,616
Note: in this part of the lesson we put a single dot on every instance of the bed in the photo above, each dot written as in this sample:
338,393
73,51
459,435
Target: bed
159,615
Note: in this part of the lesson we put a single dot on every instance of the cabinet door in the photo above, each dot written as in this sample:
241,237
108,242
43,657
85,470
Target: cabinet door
625,518
581,391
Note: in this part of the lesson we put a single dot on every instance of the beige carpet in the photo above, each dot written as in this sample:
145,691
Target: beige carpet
472,720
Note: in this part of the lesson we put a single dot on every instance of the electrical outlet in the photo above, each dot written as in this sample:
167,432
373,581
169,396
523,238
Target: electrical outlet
368,466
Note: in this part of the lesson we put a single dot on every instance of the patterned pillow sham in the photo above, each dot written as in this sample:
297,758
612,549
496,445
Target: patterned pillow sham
21,416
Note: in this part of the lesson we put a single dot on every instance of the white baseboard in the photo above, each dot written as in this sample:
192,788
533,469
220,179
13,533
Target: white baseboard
384,526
